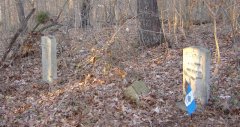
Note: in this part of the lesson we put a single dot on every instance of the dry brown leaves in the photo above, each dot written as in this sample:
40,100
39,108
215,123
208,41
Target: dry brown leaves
89,89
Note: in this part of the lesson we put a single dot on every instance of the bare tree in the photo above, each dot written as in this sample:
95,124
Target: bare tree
21,14
150,25
85,12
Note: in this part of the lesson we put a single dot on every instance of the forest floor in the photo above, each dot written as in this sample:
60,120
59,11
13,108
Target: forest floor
90,84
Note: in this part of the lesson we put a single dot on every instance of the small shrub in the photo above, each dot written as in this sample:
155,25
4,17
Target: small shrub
42,17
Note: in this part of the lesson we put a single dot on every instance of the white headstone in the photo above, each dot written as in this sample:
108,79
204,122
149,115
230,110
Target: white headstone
49,58
196,71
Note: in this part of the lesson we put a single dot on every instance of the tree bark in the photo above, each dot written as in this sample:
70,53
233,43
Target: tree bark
150,26
21,14
4,16
85,13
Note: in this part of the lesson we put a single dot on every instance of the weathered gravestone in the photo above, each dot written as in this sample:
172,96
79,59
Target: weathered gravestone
196,72
135,90
49,58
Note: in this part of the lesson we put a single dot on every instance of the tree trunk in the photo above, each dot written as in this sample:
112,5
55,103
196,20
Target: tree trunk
9,19
85,13
21,14
4,16
150,26
111,15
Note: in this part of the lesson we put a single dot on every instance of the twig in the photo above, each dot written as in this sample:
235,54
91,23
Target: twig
55,21
31,3
60,13
214,15
48,26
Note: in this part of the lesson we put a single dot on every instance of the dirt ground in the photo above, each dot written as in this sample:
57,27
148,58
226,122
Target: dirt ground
91,80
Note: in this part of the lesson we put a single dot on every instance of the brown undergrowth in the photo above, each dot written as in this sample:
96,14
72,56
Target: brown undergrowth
88,91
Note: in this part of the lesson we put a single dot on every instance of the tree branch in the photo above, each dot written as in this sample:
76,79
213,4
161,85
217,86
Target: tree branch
16,35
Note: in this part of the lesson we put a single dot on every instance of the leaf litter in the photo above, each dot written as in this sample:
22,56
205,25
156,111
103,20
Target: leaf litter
91,80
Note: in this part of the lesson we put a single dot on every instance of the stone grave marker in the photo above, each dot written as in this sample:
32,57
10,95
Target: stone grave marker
196,71
135,90
49,58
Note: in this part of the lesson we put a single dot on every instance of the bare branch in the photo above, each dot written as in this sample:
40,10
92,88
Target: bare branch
16,35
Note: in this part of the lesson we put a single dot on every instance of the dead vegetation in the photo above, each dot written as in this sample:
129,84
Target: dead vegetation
89,89
96,65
